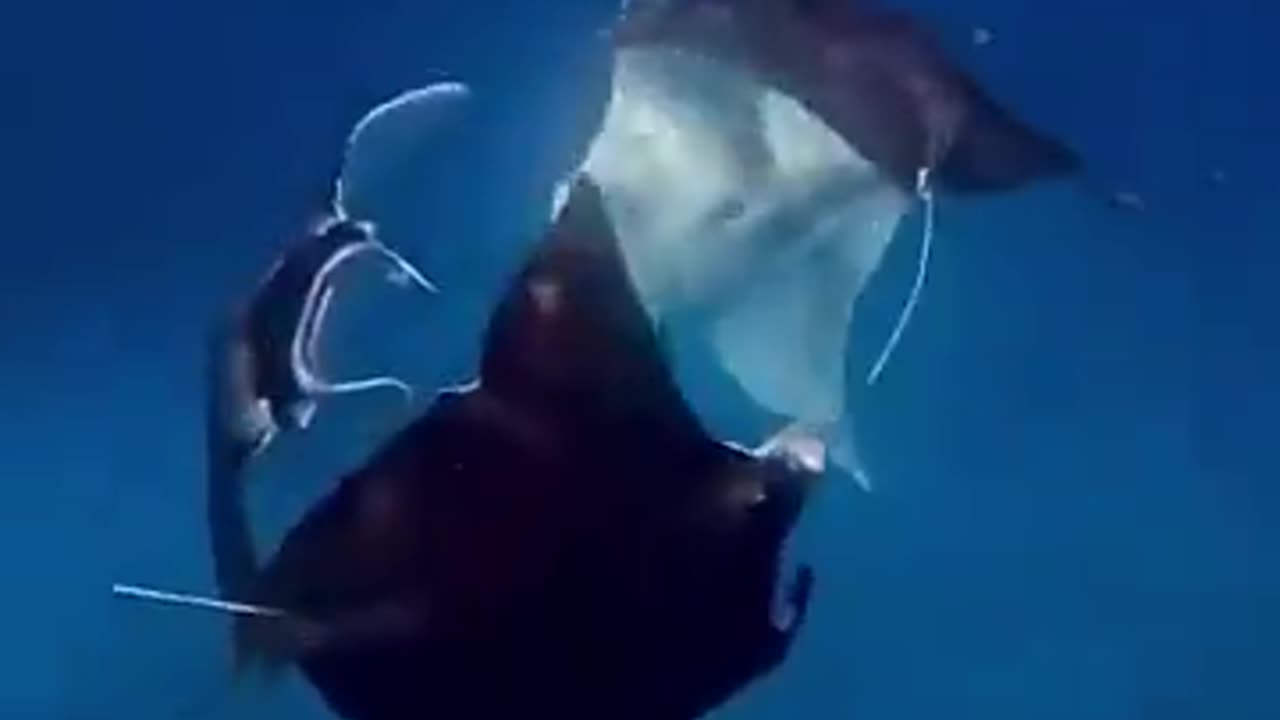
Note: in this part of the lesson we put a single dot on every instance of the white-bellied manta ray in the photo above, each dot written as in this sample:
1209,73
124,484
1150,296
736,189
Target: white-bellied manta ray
756,157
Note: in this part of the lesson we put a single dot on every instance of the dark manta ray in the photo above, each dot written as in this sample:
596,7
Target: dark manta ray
559,539
756,157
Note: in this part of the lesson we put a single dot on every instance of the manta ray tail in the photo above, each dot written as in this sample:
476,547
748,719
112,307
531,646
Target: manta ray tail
403,267
925,192
201,602
304,351
318,386
313,384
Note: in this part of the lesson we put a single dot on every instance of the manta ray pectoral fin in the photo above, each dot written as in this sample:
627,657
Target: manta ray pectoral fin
994,151
783,340
572,325
391,620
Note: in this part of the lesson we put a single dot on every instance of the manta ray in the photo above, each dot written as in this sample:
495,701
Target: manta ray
757,156
559,538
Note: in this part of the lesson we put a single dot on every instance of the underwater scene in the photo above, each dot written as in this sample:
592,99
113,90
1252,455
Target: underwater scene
640,360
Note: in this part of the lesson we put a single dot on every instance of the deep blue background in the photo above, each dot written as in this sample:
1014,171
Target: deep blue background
1078,513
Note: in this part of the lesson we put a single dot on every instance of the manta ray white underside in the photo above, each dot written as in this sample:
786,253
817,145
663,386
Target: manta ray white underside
744,216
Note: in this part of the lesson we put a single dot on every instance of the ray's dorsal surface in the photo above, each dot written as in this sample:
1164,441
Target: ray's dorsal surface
558,539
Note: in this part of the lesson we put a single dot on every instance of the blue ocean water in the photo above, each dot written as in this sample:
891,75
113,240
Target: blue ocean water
1077,513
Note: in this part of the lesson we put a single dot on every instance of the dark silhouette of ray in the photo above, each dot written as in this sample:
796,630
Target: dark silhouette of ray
559,539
